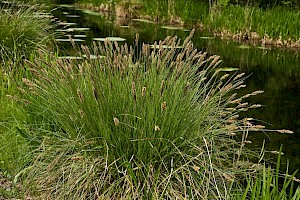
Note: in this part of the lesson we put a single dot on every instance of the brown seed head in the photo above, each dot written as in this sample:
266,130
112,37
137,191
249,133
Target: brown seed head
162,87
144,91
242,105
163,106
13,97
136,39
255,106
285,131
239,76
28,83
231,134
156,128
81,112
257,92
116,121
256,127
224,77
231,127
241,86
80,95
196,168
133,89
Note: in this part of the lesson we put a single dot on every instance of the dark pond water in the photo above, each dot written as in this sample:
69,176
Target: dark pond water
276,71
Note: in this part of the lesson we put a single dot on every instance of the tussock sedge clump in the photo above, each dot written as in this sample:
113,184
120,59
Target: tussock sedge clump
22,31
153,123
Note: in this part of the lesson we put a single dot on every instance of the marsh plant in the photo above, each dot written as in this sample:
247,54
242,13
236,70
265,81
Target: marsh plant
142,121
22,31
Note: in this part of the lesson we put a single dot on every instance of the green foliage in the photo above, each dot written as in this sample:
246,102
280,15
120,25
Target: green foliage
135,123
267,185
22,31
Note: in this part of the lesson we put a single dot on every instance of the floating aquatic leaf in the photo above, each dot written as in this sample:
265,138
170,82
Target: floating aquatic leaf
91,12
117,39
73,16
67,23
42,13
65,5
144,20
80,36
165,47
172,27
64,30
264,48
207,38
80,29
228,69
244,47
69,40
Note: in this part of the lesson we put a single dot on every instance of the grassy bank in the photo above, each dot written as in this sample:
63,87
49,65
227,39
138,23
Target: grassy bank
269,26
22,33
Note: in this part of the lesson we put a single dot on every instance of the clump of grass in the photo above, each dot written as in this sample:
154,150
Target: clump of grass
270,184
136,123
22,31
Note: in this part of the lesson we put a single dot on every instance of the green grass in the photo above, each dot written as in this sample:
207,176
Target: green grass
154,125
276,22
21,34
271,184
22,31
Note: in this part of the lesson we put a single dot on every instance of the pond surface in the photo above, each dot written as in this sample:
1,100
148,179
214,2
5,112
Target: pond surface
276,71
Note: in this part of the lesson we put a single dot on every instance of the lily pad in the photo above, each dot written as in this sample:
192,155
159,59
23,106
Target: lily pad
91,12
42,13
67,24
172,27
264,48
80,36
117,39
244,47
80,29
69,40
73,16
165,47
66,5
229,69
64,30
207,38
144,20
